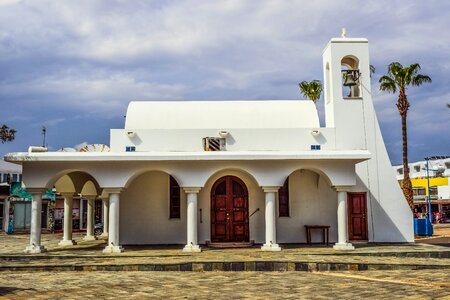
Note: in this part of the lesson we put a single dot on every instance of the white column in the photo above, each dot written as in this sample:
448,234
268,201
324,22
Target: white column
35,230
192,242
68,207
82,208
90,219
342,220
113,238
271,229
105,218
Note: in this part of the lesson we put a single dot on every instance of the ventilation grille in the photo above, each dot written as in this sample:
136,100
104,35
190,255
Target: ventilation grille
214,144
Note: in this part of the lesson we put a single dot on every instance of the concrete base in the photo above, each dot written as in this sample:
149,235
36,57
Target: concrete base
89,238
343,246
104,235
271,247
113,249
192,248
34,249
67,243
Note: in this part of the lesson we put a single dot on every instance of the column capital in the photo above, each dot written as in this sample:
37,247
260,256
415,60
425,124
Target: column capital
115,190
36,190
342,188
192,190
270,189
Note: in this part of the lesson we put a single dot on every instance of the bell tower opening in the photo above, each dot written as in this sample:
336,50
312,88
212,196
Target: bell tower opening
351,86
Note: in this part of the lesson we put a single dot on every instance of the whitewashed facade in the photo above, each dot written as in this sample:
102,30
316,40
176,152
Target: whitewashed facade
262,144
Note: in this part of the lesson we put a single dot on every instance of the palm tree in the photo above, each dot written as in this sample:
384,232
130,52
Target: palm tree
7,134
311,90
399,78
372,70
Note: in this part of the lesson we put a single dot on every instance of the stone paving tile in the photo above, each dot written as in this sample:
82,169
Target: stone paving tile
86,255
226,285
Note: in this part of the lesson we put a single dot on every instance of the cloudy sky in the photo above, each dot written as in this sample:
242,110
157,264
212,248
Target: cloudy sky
73,66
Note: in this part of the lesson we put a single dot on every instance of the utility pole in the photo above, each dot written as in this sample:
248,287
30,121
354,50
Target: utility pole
44,131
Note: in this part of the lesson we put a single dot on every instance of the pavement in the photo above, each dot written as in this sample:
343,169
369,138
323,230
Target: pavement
396,284
88,256
418,270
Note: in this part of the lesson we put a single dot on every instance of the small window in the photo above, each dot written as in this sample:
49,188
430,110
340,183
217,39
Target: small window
237,189
283,199
14,178
416,168
315,147
221,189
175,201
130,148
419,191
214,144
433,191
400,171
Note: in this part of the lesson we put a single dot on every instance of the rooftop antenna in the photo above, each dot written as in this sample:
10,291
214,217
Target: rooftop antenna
44,131
344,33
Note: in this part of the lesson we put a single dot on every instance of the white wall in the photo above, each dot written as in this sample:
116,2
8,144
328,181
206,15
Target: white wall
144,212
311,202
223,114
185,140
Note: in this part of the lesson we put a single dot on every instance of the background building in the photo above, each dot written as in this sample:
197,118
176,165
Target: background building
8,173
434,182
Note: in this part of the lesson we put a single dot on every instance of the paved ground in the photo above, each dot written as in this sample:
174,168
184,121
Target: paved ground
404,282
89,253
227,285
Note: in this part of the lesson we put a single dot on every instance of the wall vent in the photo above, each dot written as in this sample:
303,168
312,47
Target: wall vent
214,144
130,149
315,147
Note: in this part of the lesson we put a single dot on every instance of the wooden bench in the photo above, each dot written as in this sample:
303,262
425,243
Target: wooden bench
325,229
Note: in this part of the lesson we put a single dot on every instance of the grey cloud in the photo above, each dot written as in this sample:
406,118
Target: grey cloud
89,58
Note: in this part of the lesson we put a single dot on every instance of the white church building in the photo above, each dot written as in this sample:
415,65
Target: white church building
199,172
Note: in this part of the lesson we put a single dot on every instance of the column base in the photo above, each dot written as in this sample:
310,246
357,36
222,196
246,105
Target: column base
34,249
343,246
89,238
113,249
192,248
67,243
104,235
271,247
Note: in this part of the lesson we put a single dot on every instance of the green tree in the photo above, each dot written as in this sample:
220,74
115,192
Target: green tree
372,70
311,90
398,79
7,134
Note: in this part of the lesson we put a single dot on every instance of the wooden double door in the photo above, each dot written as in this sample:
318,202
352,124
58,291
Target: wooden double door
229,210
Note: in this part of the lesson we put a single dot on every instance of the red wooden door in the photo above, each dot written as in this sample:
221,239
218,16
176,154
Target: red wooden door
357,216
229,210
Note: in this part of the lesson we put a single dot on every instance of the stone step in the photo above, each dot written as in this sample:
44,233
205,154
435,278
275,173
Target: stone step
267,266
230,244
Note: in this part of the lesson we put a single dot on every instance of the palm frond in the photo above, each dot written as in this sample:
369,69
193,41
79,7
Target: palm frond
311,90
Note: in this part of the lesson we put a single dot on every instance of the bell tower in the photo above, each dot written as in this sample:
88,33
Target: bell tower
349,111
347,89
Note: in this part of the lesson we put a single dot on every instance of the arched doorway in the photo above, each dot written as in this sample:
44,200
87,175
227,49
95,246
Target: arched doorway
229,210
